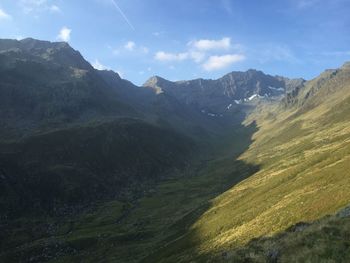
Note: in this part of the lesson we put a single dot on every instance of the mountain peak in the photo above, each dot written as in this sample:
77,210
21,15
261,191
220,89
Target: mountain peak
32,44
156,83
346,65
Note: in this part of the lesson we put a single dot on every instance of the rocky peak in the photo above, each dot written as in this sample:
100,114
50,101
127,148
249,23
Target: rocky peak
58,53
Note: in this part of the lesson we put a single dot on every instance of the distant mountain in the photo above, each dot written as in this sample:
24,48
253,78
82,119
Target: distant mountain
162,108
218,96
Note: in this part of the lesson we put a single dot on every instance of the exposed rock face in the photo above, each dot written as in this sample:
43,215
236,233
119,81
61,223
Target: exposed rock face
233,88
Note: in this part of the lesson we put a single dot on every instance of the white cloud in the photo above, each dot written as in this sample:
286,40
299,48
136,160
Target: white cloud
208,44
98,65
197,56
130,45
64,34
55,9
29,6
164,56
220,62
206,50
4,15
120,73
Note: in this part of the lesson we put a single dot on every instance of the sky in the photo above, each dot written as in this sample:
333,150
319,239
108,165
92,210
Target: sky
187,39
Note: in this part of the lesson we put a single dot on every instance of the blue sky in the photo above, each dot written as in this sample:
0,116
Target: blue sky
188,39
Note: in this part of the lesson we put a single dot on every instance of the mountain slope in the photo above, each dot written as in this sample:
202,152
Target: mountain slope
46,85
303,153
84,164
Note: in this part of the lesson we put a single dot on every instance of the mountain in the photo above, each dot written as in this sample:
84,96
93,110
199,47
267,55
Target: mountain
96,169
302,149
162,109
71,134
218,96
46,85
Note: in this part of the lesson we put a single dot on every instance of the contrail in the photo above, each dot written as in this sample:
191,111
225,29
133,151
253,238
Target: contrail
122,13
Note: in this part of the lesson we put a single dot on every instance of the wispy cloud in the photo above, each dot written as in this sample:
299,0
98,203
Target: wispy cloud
164,56
130,45
173,57
220,62
64,34
114,3
275,52
227,5
144,50
99,66
208,44
4,15
55,9
29,6
157,33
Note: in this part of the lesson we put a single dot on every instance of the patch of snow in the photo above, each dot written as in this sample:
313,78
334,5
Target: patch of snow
252,97
255,96
278,89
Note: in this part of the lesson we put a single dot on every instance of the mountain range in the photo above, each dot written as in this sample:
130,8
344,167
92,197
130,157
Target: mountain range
245,168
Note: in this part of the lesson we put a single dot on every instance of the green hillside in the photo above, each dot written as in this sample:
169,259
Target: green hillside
303,151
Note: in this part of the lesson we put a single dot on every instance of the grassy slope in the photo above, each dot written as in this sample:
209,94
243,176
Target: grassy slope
304,156
325,240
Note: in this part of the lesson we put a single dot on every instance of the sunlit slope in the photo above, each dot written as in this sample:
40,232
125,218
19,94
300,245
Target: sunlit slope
303,149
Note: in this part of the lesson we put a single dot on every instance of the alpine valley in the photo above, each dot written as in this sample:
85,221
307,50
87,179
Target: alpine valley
245,168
